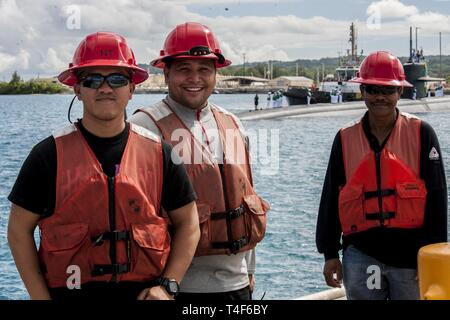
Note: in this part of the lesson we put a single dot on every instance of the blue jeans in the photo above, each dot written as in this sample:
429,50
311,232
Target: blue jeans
365,278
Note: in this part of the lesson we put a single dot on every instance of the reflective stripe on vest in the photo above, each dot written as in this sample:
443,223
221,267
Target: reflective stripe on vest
232,217
108,227
382,189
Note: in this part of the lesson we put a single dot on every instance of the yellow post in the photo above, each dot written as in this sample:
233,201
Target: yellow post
434,271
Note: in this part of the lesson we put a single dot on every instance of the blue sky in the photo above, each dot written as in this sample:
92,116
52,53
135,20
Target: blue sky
345,9
304,8
351,10
40,41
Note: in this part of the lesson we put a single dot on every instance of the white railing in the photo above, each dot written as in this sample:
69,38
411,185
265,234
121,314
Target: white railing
331,294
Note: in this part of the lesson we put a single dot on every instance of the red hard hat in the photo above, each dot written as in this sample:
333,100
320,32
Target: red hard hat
103,49
191,40
383,69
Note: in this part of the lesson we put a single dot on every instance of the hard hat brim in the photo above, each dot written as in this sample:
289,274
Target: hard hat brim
159,62
69,78
382,82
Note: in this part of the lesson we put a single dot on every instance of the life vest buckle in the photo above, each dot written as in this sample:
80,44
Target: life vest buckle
234,246
382,216
102,269
237,245
229,215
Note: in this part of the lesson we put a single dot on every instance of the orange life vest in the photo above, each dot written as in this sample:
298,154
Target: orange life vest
397,199
109,227
232,217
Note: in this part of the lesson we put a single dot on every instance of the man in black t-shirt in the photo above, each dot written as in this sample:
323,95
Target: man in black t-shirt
384,193
97,195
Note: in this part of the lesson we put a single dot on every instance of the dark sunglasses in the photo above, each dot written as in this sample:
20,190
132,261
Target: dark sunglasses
196,52
95,81
380,90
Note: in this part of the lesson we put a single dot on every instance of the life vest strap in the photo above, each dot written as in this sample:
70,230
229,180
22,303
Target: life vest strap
231,214
111,235
233,246
102,269
379,193
380,215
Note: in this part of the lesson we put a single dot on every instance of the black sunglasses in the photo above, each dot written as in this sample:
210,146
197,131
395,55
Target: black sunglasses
386,90
95,81
196,52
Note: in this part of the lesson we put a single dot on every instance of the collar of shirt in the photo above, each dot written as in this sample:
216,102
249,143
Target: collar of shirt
202,125
190,116
373,141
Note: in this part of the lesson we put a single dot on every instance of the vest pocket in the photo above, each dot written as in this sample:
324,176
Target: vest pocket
255,219
351,208
62,246
150,249
411,199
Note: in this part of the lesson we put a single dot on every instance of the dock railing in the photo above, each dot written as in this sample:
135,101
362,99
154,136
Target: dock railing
330,294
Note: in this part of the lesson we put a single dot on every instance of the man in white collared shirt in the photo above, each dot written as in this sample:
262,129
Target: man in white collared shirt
223,267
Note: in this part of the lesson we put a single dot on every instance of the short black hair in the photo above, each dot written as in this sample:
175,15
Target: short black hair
168,62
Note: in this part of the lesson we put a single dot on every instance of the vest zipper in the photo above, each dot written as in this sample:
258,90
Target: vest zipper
380,198
197,114
225,198
112,224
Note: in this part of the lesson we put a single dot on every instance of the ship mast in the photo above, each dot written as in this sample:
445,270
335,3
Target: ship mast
354,42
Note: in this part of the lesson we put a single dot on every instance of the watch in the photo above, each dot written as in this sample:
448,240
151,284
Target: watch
171,285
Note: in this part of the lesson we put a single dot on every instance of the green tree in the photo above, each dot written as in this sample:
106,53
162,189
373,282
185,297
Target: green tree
30,87
259,70
15,78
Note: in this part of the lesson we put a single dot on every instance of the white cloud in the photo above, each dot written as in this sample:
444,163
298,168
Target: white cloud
397,18
151,54
6,61
260,53
23,59
52,61
430,22
231,2
286,33
39,40
14,62
267,51
9,11
41,28
391,9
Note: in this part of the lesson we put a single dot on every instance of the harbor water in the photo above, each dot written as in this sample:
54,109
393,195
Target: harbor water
288,265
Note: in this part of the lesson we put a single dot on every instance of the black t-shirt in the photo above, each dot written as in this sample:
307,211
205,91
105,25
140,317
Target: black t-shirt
35,191
35,187
392,246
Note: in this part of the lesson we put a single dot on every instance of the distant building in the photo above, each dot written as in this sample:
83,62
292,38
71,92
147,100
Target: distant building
53,79
240,81
154,81
286,81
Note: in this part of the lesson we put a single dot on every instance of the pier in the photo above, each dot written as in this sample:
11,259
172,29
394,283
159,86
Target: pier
346,108
330,294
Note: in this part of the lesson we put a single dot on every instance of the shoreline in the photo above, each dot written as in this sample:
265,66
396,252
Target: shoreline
240,90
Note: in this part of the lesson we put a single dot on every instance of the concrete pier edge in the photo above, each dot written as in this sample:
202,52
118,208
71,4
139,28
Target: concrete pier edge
411,106
330,294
